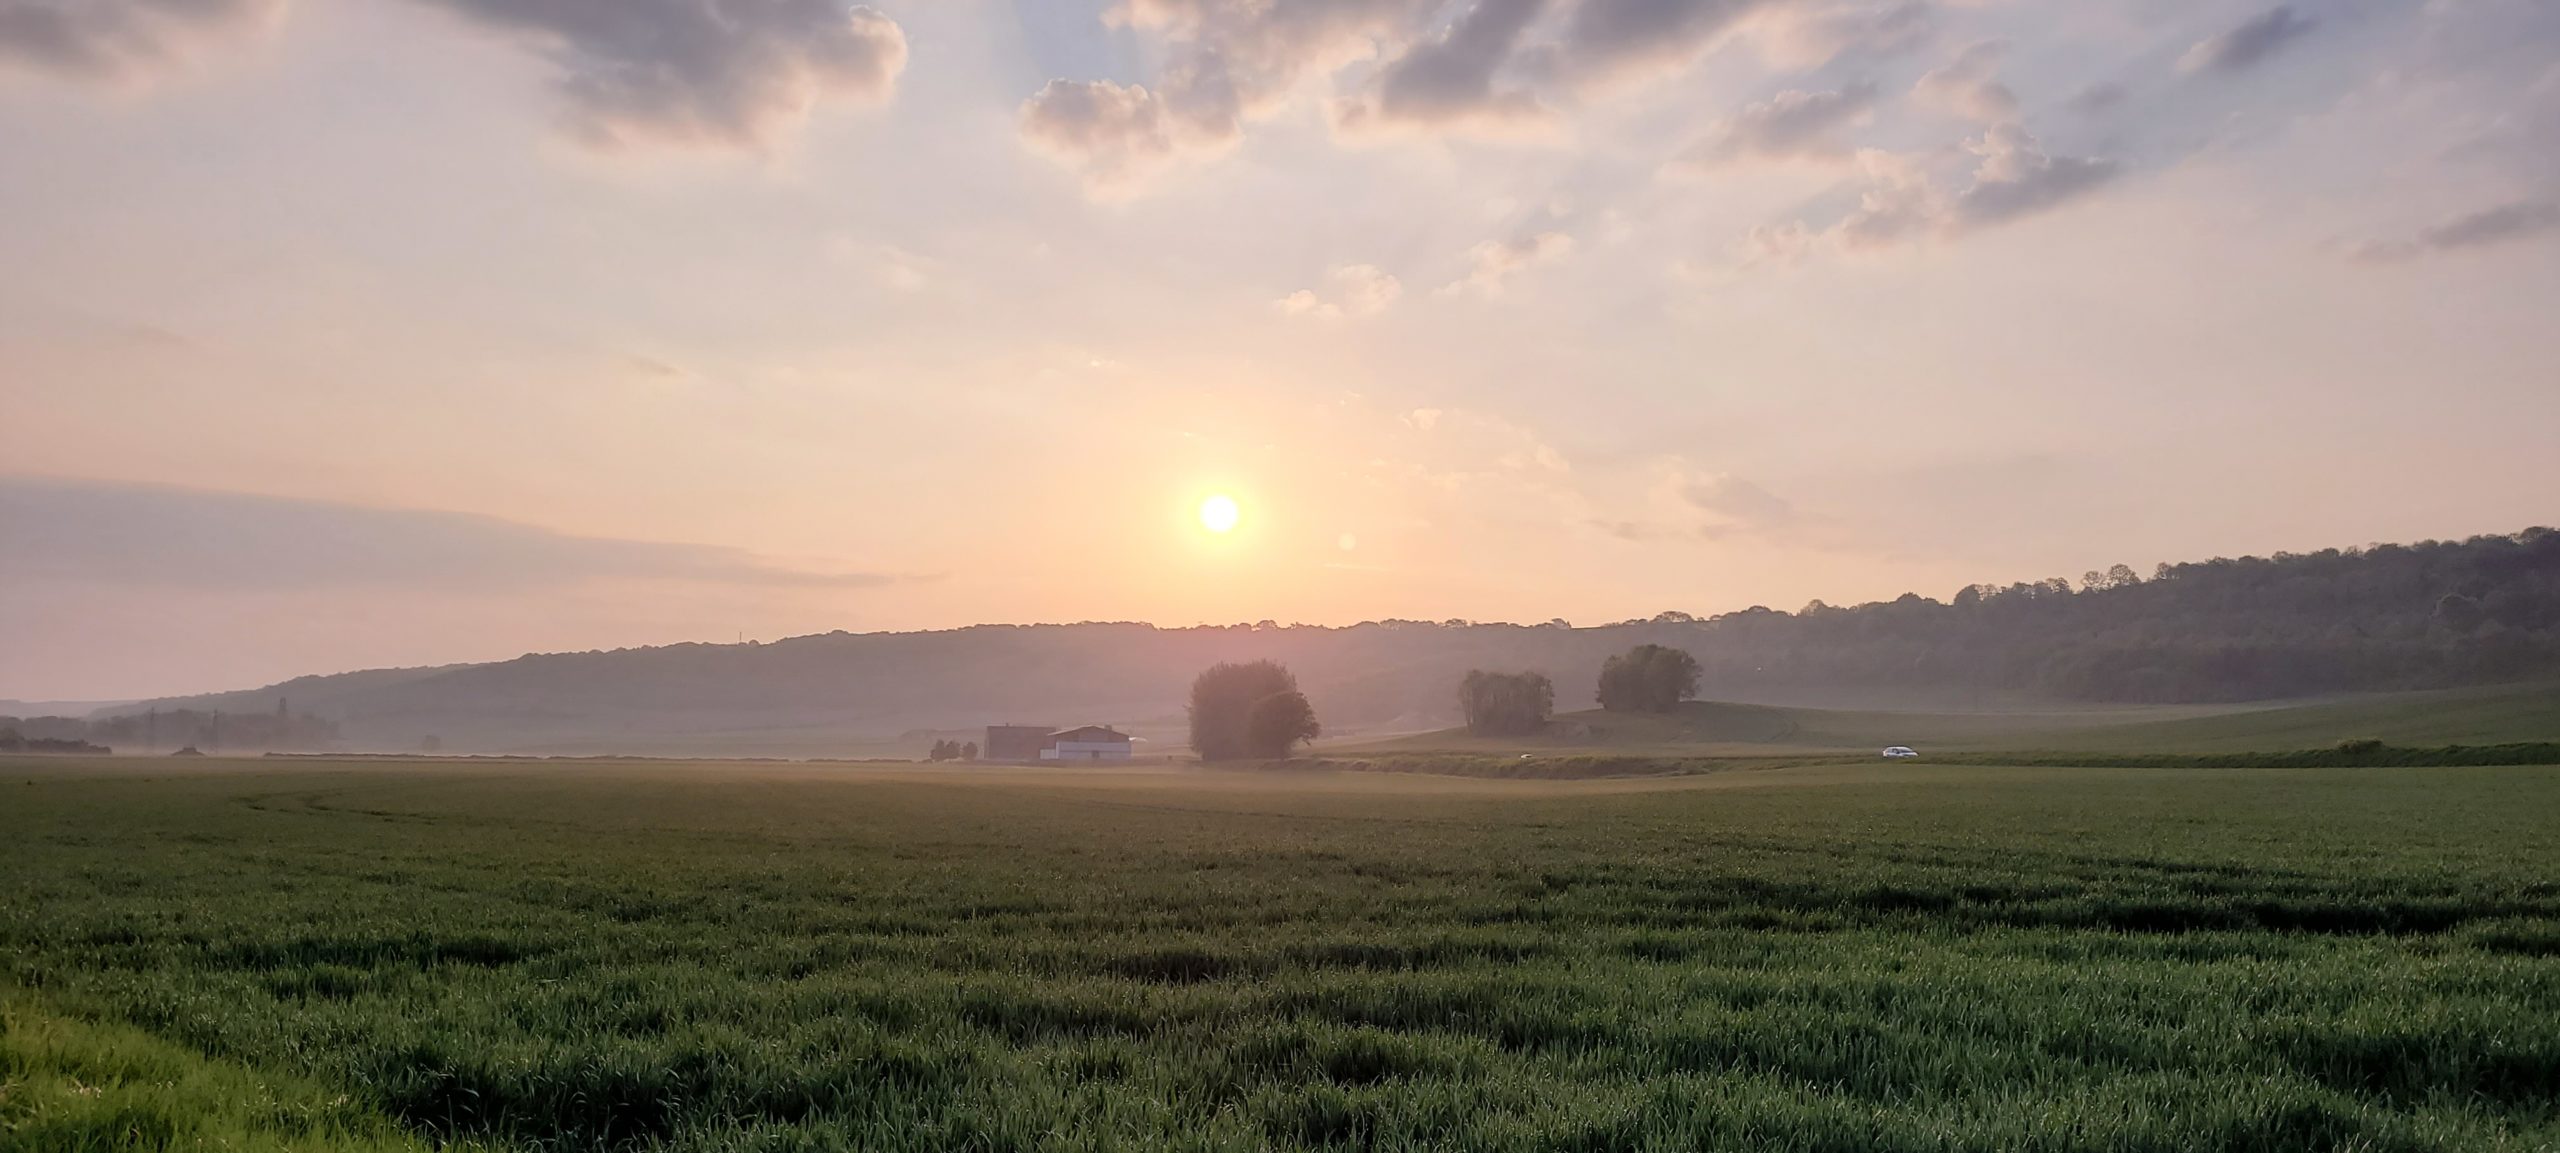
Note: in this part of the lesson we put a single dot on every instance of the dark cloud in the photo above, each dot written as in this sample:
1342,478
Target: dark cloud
2017,178
2503,224
1788,125
1607,39
120,40
1228,61
2250,44
1450,78
715,73
94,534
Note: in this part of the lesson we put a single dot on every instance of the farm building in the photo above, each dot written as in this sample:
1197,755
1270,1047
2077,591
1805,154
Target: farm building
1015,742
1042,743
1086,744
1090,743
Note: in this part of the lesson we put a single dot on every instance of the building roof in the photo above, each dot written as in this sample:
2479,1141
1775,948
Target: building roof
1090,733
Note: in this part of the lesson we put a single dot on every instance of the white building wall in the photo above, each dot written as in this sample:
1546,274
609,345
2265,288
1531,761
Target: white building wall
1087,751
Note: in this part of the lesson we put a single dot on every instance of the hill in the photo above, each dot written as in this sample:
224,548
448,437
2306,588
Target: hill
2389,618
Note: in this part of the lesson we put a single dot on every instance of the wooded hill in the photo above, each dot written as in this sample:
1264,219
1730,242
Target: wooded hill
2389,617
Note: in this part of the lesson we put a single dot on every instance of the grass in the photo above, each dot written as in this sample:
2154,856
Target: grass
68,1086
1807,957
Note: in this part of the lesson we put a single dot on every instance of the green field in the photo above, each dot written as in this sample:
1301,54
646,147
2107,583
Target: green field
1856,956
2509,713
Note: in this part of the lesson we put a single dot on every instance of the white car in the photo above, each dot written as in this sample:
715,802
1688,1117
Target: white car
1898,752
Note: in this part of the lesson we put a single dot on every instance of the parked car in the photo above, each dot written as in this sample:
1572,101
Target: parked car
1898,752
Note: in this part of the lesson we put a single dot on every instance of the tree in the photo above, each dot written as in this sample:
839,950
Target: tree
1249,710
1648,679
1279,722
969,751
1506,704
943,751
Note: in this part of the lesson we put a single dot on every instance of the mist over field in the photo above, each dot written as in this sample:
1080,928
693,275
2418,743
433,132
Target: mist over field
2386,618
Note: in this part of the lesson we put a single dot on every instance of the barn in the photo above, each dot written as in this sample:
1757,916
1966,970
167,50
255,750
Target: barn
1089,743
1015,742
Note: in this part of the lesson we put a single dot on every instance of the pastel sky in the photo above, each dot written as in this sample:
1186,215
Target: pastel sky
346,333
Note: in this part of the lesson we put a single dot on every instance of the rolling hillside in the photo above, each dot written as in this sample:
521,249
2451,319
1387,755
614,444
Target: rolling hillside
2024,662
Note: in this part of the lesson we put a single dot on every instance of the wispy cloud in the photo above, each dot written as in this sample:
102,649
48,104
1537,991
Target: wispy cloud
122,41
1351,290
1790,125
92,534
1969,85
1900,199
1498,261
2489,227
2251,44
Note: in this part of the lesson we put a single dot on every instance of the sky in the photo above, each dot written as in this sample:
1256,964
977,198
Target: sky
356,333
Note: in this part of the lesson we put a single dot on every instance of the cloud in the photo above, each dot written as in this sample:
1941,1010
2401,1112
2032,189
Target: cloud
1450,79
2250,44
1789,125
700,73
1684,502
1969,86
1737,506
1900,201
2017,178
1804,36
2100,97
1497,261
1358,290
1114,135
99,534
1610,40
122,41
1227,62
1784,244
1497,65
2489,227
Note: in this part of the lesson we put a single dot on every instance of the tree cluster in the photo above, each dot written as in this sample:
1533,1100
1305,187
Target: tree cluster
155,729
1249,710
1506,704
2384,618
953,751
12,741
1648,678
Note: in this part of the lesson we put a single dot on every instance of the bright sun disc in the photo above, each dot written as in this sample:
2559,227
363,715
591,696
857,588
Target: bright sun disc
1219,513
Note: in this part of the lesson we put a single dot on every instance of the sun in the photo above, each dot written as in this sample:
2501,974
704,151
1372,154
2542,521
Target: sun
1219,513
